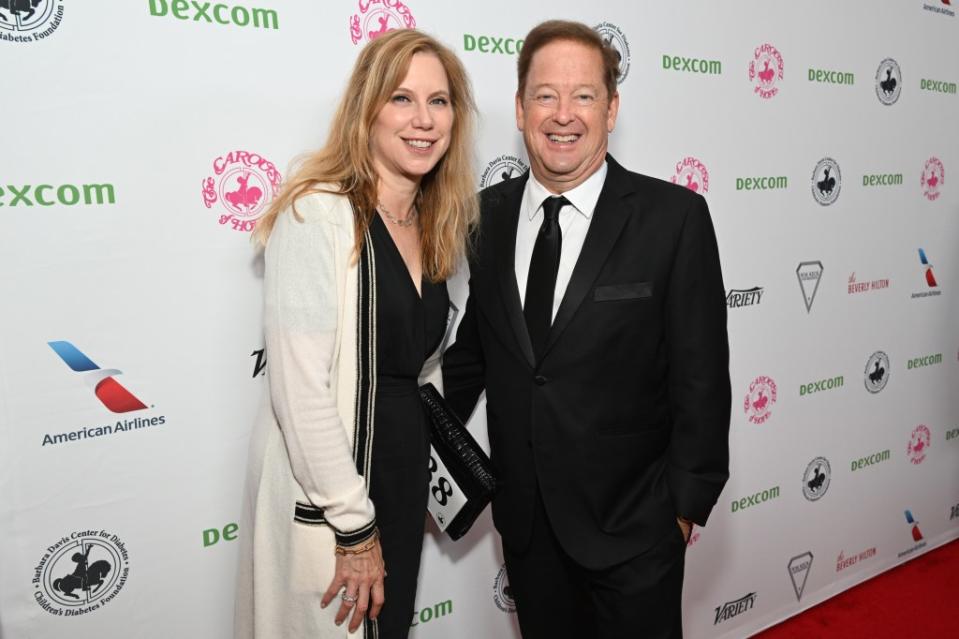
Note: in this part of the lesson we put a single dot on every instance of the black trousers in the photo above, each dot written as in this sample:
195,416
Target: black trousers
557,599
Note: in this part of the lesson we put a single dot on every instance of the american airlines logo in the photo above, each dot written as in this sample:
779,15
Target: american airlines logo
108,390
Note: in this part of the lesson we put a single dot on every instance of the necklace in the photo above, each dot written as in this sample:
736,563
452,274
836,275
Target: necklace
405,222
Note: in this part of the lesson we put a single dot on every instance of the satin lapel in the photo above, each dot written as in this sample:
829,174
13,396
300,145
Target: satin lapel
505,212
608,220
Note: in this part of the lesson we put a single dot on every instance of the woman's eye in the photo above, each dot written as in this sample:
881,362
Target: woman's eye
440,101
400,98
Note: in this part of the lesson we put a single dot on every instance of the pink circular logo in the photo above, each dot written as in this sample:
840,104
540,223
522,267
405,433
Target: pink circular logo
918,444
759,400
933,175
243,183
692,174
377,17
765,70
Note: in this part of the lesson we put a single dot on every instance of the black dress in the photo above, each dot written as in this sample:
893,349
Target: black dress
408,329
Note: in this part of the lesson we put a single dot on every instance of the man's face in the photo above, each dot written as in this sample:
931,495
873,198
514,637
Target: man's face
565,114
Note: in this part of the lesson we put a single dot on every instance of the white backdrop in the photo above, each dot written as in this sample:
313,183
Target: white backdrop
142,139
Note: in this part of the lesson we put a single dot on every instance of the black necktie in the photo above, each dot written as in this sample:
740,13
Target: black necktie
538,306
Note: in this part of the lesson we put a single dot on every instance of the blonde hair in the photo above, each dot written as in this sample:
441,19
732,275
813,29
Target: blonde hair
447,202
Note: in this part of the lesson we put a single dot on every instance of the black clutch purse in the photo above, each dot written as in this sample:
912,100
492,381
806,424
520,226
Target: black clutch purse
461,475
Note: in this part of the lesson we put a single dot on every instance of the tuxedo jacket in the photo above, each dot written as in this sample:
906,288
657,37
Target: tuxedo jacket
622,423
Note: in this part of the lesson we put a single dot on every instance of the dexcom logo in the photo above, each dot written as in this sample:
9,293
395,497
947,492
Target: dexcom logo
111,393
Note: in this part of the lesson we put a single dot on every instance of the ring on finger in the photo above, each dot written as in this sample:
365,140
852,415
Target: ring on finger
349,599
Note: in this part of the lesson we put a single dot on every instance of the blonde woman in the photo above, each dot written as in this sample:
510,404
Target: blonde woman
359,244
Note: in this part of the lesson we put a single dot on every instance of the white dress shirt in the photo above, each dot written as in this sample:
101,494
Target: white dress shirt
573,221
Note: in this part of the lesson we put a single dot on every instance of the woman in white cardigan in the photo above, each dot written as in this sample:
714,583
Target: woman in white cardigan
359,244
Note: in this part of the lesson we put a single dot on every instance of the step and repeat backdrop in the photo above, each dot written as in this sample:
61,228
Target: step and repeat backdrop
142,140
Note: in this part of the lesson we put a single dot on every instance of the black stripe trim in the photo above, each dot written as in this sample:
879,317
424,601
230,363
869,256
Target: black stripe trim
355,537
366,359
309,514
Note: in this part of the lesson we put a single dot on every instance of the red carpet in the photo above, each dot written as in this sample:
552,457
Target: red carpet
918,599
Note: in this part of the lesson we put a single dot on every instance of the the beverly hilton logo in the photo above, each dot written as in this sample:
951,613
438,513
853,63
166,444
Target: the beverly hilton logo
888,82
826,181
809,275
503,168
502,595
692,174
80,573
760,398
815,481
877,372
614,37
933,176
243,183
799,567
918,445
29,20
766,70
377,17
847,561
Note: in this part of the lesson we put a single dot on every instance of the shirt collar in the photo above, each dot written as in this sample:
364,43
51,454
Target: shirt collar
583,198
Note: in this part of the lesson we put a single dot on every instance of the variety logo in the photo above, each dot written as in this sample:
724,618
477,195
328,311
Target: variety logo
65,194
799,567
739,297
930,277
828,383
933,176
615,38
809,275
760,398
29,20
755,499
877,370
692,65
831,77
888,82
502,595
503,168
377,17
432,613
766,70
863,287
81,573
735,608
105,386
219,13
243,183
692,174
919,443
916,535
259,368
815,481
952,434
826,181
843,562
492,44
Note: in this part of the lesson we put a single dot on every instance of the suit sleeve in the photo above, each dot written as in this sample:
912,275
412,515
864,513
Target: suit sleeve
698,379
300,322
464,365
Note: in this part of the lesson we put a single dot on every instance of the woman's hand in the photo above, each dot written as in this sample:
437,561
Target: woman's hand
362,576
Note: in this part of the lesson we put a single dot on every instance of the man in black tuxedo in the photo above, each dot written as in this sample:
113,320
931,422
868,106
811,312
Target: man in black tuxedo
596,322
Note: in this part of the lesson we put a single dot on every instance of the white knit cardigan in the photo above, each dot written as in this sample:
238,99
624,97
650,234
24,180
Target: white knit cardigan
308,469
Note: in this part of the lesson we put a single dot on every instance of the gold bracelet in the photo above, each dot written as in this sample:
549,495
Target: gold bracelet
360,547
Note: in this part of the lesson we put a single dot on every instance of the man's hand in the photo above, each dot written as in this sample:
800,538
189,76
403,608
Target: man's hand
686,527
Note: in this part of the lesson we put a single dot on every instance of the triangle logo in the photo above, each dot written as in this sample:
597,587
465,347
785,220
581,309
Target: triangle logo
809,274
799,567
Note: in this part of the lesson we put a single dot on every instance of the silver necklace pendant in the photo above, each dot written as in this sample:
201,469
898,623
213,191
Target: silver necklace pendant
405,222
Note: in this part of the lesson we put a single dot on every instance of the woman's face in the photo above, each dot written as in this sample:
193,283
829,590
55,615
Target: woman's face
412,131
